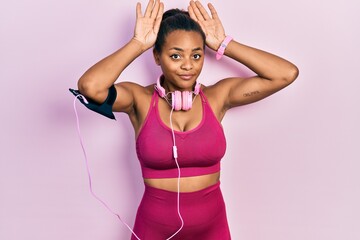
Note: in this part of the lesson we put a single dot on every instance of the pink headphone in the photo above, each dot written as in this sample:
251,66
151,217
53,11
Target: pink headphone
179,100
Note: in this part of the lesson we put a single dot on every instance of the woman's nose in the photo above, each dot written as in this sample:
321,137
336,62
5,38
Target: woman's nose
187,64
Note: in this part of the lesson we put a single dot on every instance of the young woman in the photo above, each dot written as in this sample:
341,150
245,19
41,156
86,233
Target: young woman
176,111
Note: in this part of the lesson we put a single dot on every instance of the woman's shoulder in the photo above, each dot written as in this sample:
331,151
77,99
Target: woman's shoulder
215,90
214,98
217,95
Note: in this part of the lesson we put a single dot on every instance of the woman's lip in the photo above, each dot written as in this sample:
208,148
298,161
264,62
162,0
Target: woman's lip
186,76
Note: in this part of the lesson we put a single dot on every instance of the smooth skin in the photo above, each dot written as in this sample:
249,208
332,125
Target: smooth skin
181,61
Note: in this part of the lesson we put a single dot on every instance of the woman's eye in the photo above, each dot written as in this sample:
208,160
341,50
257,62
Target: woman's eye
175,56
197,56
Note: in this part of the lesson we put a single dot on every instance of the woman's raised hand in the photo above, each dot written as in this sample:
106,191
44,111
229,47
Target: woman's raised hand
211,25
147,25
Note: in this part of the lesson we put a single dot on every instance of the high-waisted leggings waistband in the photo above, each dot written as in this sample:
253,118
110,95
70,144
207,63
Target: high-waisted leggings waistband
185,195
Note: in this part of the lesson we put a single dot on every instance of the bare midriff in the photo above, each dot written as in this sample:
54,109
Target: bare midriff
187,184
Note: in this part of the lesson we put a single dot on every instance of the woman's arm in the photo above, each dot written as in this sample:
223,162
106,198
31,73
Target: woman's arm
273,73
96,81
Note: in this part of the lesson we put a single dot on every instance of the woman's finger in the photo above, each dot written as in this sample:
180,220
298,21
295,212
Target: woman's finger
202,10
155,9
149,8
213,12
197,12
158,18
138,10
191,13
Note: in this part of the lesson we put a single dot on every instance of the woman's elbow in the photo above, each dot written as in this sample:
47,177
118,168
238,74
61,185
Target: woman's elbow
90,89
292,74
85,86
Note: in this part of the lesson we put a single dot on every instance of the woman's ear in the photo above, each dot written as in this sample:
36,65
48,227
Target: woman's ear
156,57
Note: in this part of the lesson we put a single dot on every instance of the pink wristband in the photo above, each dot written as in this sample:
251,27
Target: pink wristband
221,50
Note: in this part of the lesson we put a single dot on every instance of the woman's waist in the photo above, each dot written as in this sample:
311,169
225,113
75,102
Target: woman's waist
187,184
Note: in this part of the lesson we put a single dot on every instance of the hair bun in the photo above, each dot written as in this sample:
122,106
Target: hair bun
176,19
174,12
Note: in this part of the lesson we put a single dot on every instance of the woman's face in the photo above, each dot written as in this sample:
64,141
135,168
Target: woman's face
181,59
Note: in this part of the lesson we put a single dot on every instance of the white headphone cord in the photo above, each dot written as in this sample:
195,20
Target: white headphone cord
88,169
179,176
90,180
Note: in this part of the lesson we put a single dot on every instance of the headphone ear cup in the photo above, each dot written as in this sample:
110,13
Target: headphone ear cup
186,100
181,100
176,100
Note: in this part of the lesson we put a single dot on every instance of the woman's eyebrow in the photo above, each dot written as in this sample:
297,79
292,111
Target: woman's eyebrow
182,50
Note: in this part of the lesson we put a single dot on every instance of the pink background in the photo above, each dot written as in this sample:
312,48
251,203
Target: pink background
292,163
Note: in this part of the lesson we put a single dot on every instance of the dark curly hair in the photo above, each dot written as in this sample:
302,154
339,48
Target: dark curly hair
172,20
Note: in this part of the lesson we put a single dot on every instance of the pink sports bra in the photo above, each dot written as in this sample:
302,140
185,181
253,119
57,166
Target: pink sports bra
199,150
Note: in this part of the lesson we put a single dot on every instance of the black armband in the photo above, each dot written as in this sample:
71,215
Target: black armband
105,108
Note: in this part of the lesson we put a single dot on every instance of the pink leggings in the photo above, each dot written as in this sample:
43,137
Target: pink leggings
203,213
